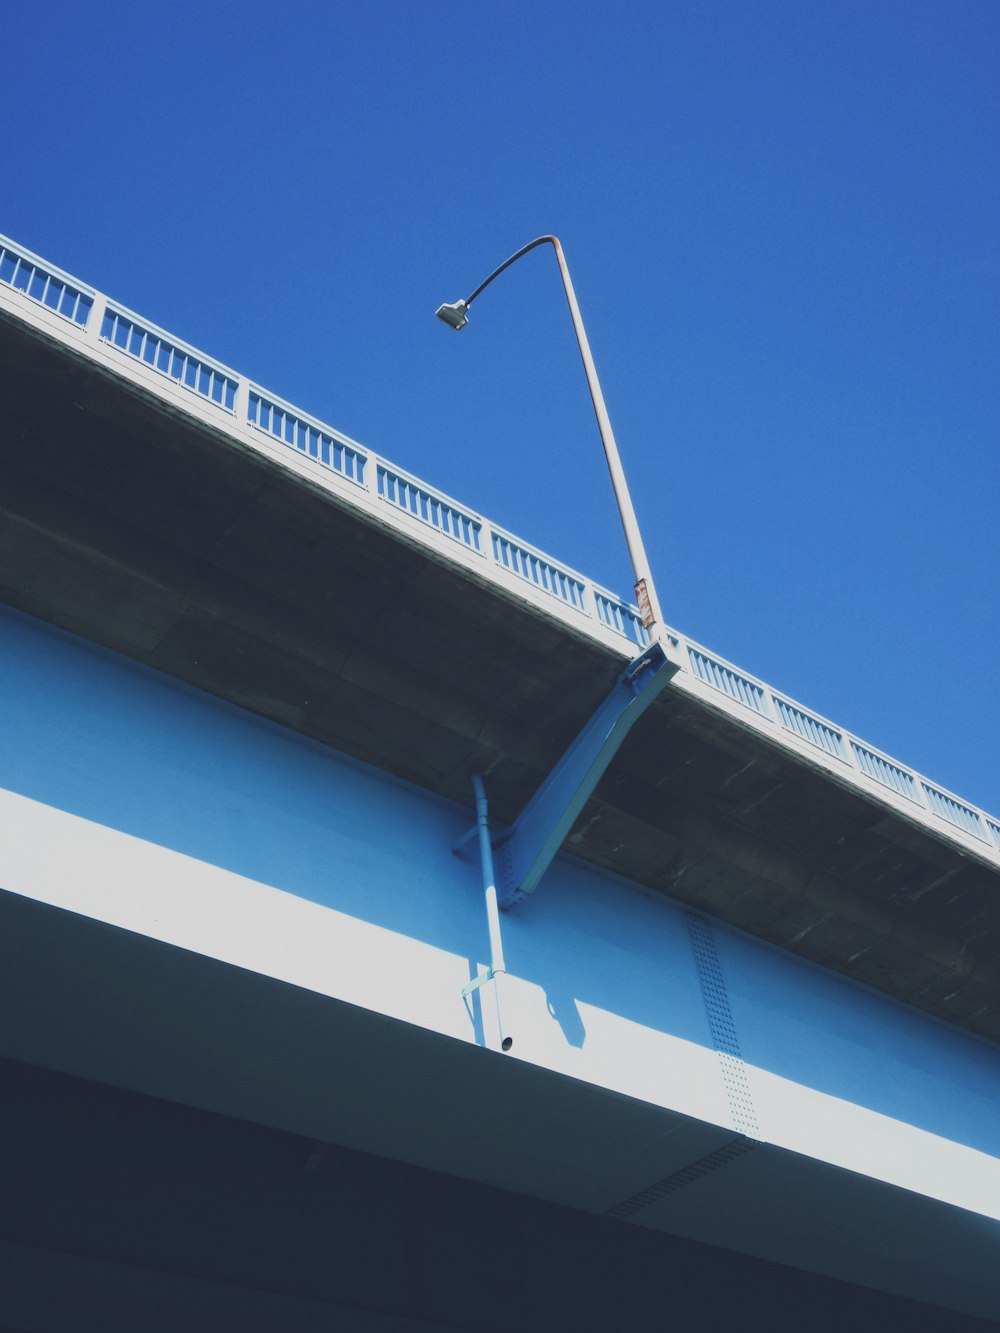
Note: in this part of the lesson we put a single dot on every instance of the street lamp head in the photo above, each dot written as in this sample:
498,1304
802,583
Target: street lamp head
456,316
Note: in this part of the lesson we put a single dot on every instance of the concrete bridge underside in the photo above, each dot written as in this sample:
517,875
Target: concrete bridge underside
147,531
127,1212
254,1155
241,1085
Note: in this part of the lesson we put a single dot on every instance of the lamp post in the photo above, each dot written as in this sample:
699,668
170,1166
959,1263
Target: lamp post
457,316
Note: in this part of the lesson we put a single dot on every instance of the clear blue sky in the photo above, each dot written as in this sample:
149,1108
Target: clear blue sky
783,222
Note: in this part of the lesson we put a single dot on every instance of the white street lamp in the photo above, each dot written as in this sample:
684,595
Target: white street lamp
457,316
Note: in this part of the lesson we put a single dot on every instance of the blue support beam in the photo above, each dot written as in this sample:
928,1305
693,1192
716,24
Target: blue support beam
526,851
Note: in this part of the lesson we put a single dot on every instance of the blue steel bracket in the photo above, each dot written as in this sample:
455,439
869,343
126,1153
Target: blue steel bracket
527,850
476,982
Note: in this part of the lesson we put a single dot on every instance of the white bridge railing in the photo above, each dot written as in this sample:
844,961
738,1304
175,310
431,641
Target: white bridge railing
44,295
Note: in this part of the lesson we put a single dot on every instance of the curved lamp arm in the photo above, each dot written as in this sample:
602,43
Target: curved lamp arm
457,316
